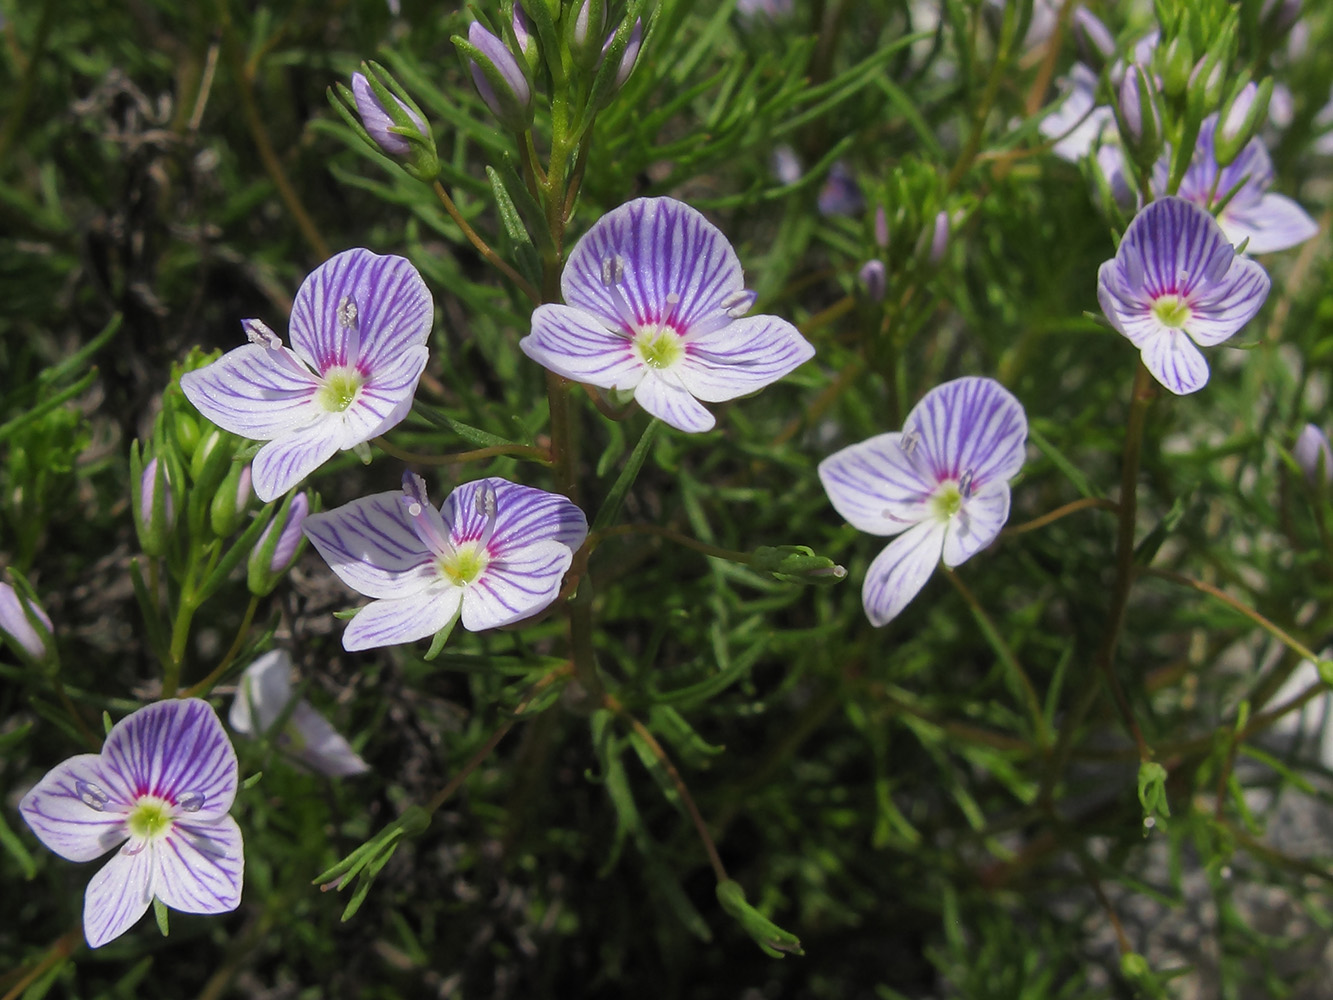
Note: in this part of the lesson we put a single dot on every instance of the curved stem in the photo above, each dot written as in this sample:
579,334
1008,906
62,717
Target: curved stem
206,685
1073,507
731,555
483,247
60,949
460,457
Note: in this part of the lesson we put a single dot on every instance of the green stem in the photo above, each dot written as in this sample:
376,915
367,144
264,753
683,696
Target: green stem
206,685
731,555
482,247
458,458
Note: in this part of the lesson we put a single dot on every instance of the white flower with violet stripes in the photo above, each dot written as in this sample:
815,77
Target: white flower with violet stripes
494,553
941,485
165,781
359,327
655,304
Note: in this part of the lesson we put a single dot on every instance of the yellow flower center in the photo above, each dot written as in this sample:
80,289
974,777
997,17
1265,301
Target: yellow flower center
150,817
947,501
339,389
1172,311
466,565
659,346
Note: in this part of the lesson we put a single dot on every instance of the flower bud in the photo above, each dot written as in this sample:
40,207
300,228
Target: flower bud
524,38
583,29
1240,118
873,280
881,228
1176,62
797,564
278,546
1313,455
1139,116
498,77
939,239
1208,79
631,54
382,125
1095,42
230,501
24,623
1279,16
154,509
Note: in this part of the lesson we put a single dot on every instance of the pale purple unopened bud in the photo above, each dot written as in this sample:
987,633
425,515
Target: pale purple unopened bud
522,31
500,80
378,122
1311,451
1229,128
15,624
881,227
631,54
873,280
289,535
786,165
148,492
243,489
939,242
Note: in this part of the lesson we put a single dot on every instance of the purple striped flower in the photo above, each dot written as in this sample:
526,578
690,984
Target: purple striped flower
261,701
941,485
1176,282
494,553
164,782
1077,125
358,328
1270,221
656,305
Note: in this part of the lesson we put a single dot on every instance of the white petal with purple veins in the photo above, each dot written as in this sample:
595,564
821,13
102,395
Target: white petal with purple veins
977,524
250,391
78,809
575,344
523,515
1175,362
665,259
970,426
1227,306
118,896
371,545
901,570
200,866
662,394
876,486
264,690
1273,223
402,619
742,357
315,743
516,587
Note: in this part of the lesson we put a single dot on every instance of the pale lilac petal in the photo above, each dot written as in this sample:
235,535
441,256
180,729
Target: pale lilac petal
666,261
1223,309
285,461
200,866
901,570
574,344
1173,247
403,619
662,395
516,586
970,426
523,515
1077,124
977,524
264,691
78,809
1315,457
314,742
385,398
393,312
876,486
118,896
742,357
1128,311
1273,223
371,545
1175,362
172,749
250,392
14,622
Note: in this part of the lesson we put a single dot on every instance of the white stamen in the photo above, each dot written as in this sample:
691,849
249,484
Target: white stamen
965,484
738,303
91,796
191,802
260,333
347,312
613,270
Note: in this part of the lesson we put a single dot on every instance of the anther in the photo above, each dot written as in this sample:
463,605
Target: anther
738,303
613,270
965,484
91,796
347,312
260,333
191,802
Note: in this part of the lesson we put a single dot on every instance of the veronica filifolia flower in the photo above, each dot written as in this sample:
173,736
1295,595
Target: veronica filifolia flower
656,304
164,782
941,485
1270,221
263,697
359,327
495,553
1176,282
1077,124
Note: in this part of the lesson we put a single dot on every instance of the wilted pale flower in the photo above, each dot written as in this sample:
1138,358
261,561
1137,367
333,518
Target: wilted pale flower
164,781
495,553
379,123
262,699
1078,122
1270,221
361,322
656,305
18,627
1313,455
1176,282
941,485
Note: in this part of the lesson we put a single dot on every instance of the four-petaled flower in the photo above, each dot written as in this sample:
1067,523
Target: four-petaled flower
359,327
164,781
494,552
262,700
656,304
1176,282
941,485
1270,221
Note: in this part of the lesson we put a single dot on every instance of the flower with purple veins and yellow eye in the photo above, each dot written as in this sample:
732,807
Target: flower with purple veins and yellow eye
941,485
655,305
493,554
164,781
1175,282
